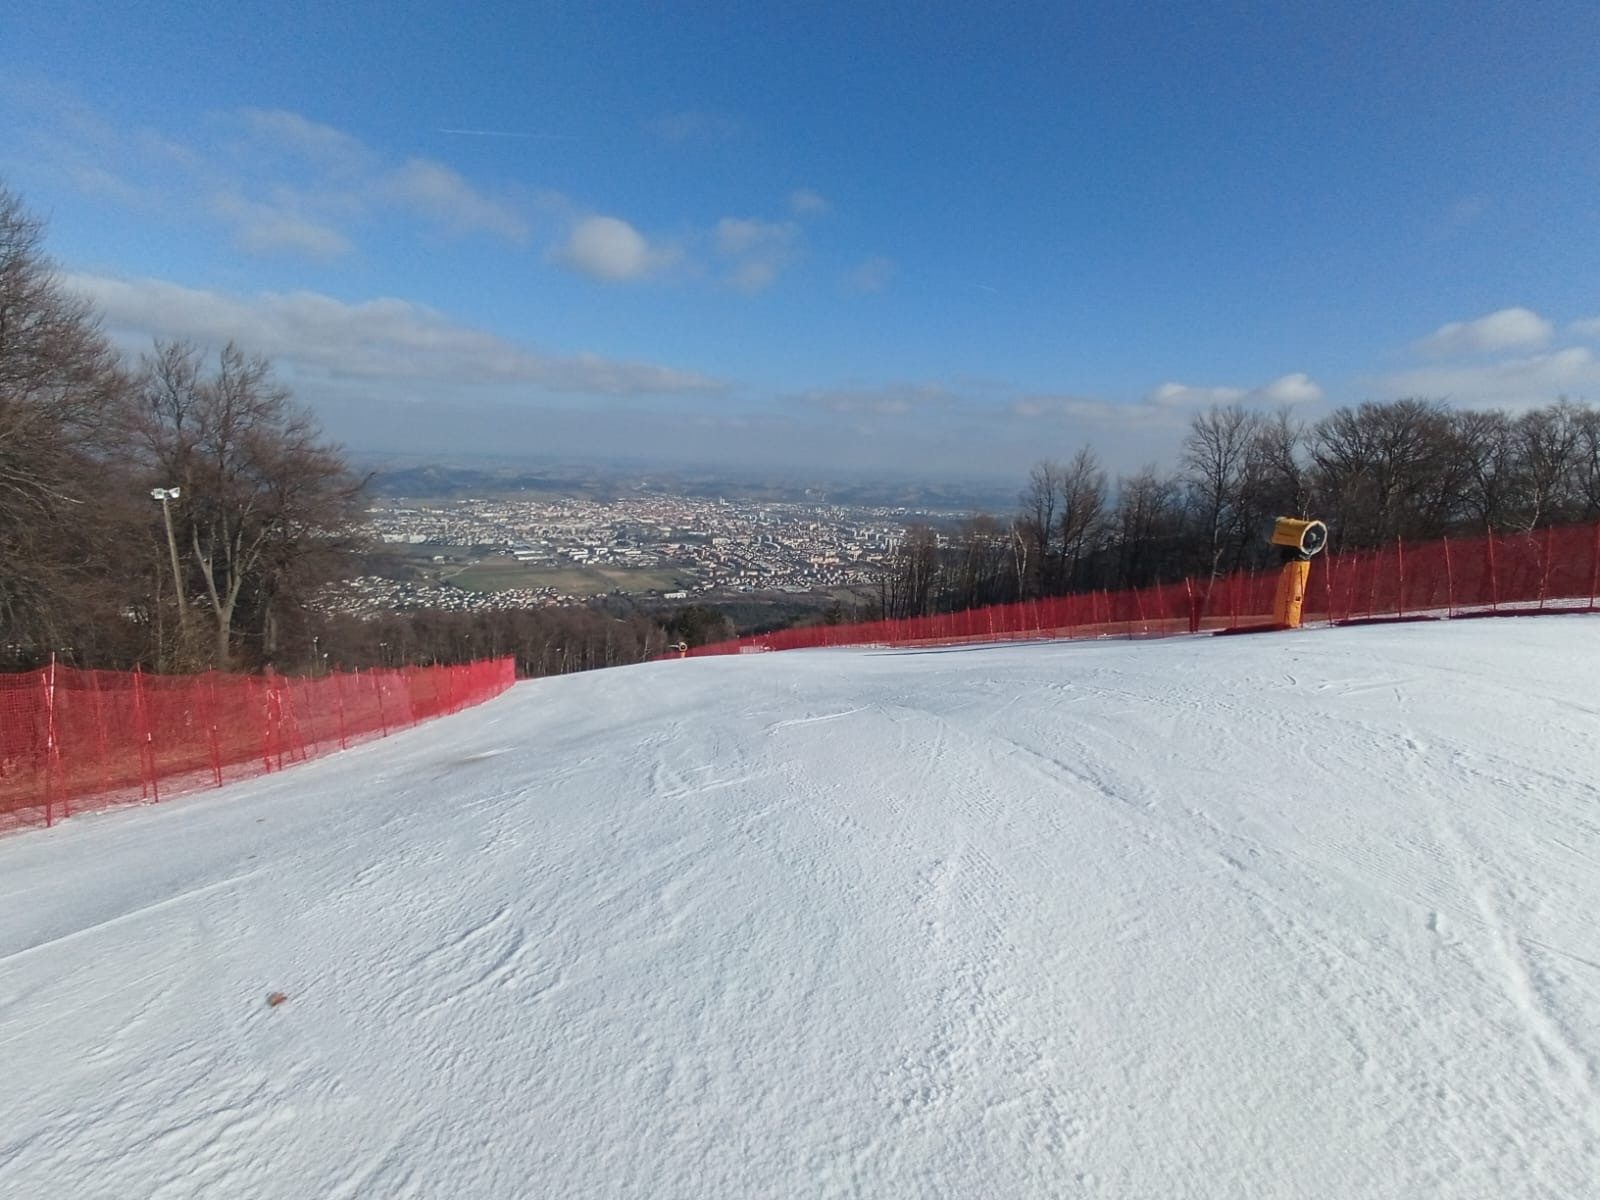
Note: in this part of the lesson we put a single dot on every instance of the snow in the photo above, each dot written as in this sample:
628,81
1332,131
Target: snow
1292,915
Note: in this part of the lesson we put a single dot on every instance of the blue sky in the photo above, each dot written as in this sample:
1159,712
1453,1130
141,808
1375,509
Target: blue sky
942,238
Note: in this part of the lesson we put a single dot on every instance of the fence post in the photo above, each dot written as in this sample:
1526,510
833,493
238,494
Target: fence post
47,681
1594,565
1494,580
275,714
1449,582
1544,573
377,686
338,692
305,715
100,729
147,745
1400,575
266,723
211,724
1372,591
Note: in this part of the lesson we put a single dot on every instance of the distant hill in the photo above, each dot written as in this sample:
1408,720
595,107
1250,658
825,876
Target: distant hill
444,481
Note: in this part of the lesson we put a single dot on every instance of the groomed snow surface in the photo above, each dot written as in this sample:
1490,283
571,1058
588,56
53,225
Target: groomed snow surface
1308,915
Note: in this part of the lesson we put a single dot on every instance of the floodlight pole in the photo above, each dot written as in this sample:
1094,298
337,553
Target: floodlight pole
164,495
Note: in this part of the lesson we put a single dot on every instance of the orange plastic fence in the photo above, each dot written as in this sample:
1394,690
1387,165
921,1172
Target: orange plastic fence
75,740
1496,574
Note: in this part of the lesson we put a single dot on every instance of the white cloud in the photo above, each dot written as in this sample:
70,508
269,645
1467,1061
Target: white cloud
1181,395
1588,329
280,181
759,250
748,235
97,181
873,275
1088,409
610,249
891,400
1530,380
381,339
1165,408
1297,388
807,202
264,229
434,190
322,144
1507,329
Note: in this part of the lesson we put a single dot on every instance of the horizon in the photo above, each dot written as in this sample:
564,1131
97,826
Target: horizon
831,241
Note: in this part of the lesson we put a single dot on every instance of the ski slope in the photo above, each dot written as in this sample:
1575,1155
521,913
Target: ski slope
1308,915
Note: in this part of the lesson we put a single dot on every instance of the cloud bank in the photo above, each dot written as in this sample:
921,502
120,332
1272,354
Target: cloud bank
381,339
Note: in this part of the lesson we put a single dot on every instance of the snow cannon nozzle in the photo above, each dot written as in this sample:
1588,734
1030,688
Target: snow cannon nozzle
1304,539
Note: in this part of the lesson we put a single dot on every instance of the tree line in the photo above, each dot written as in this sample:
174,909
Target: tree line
181,511
1413,468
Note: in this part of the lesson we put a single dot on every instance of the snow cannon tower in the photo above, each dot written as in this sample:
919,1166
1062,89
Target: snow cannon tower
1298,543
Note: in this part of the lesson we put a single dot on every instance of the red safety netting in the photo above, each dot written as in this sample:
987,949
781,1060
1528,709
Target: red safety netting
73,740
1496,574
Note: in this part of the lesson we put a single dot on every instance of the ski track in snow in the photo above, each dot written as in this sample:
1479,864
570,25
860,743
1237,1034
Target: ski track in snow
1305,915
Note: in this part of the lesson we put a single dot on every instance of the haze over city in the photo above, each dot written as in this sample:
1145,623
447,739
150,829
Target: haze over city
839,238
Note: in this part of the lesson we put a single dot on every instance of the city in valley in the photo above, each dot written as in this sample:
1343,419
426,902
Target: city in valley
531,552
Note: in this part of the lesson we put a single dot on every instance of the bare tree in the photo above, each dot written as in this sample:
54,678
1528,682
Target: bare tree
1586,463
59,381
1492,493
908,584
1083,512
980,577
1217,461
1547,442
263,495
1282,482
1148,528
1388,469
1037,523
1020,544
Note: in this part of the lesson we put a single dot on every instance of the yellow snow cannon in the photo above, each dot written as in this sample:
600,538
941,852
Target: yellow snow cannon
1298,542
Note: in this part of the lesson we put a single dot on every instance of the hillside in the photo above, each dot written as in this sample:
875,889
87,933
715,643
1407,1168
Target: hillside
1296,915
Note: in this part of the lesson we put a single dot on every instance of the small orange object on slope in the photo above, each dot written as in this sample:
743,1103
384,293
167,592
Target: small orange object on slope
275,999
